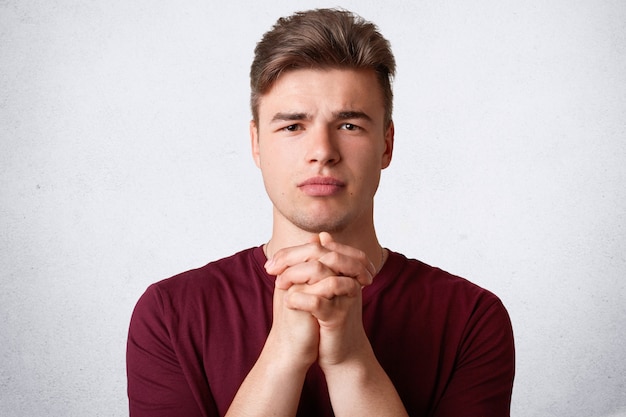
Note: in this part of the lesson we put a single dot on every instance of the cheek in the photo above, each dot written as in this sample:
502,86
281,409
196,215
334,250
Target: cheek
368,160
279,157
274,169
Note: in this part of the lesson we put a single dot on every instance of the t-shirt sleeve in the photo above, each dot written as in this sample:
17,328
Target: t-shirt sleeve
482,382
157,384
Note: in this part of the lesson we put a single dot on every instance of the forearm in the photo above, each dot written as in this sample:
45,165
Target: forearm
274,384
270,389
362,388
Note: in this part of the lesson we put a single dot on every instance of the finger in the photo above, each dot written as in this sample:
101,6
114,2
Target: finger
325,238
294,255
304,273
348,267
346,260
319,307
342,259
333,286
329,264
327,241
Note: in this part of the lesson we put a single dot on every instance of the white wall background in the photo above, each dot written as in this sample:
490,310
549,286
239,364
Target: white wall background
124,159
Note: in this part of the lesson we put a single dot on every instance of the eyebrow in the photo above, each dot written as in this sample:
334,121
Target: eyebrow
340,115
352,114
282,117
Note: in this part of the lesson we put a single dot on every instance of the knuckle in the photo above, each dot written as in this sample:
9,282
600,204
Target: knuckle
314,303
319,267
333,283
330,258
361,256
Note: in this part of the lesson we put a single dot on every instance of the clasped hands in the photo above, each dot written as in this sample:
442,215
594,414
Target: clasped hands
318,303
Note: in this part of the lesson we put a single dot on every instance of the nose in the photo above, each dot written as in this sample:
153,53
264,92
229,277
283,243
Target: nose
322,147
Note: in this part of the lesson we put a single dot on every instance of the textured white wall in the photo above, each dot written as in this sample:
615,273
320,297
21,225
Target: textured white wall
124,159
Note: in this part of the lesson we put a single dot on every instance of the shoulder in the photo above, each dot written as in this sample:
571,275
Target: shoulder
226,270
470,329
200,285
443,296
432,282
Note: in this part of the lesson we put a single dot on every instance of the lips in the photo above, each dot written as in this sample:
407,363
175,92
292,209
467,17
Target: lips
321,186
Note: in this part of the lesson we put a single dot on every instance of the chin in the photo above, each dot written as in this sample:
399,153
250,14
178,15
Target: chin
320,225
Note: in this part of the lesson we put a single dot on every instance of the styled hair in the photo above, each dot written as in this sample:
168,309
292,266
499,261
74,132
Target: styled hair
321,39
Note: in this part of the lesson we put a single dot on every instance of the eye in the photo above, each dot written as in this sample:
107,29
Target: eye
350,127
291,128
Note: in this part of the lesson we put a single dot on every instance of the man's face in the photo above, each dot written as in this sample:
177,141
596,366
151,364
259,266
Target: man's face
321,142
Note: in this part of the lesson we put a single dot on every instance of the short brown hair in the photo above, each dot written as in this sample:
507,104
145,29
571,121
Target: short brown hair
317,39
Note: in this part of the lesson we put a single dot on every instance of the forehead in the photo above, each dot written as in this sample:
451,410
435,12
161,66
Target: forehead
324,90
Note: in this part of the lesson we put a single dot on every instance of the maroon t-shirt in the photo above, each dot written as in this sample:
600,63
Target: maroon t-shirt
446,344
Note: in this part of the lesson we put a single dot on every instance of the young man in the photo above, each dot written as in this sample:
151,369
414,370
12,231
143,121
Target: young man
321,320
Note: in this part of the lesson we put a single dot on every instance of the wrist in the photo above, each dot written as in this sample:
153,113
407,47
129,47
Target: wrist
281,357
356,362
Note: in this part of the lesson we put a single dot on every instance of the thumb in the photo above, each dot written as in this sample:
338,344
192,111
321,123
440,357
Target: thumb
325,238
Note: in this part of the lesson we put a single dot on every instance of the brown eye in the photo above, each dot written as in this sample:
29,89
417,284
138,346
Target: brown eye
349,126
291,128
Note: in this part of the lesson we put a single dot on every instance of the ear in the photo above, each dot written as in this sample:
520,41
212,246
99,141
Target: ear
388,153
254,143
